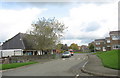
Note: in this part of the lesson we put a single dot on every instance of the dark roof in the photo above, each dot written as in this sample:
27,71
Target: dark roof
14,43
84,45
19,41
27,41
99,39
114,32
107,37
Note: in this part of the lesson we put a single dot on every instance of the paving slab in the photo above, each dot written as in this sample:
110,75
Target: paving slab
94,66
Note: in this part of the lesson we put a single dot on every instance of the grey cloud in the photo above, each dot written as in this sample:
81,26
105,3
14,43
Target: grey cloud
21,5
3,37
92,26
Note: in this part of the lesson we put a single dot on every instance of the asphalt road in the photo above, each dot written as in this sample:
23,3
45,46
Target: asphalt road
60,67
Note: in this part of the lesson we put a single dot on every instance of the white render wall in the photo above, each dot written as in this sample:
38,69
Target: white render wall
11,52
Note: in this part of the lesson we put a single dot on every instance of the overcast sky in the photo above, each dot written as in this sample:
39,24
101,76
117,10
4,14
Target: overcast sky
86,21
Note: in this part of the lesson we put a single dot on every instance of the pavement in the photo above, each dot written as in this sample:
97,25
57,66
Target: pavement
94,67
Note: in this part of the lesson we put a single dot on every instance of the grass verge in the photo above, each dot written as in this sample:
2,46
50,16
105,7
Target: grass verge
96,53
14,65
110,59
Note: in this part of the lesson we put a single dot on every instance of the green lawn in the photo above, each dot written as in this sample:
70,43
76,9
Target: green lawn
99,52
14,65
110,59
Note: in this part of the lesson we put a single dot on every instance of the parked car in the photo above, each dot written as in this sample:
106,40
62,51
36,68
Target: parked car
72,53
66,54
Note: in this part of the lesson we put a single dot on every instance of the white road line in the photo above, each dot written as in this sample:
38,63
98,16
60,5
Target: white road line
71,58
77,76
78,58
63,59
85,64
84,58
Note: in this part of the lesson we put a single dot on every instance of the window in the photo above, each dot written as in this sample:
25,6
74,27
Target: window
104,42
104,49
98,48
116,46
98,43
108,41
116,37
108,45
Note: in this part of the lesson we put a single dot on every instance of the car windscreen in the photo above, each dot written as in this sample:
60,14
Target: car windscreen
66,52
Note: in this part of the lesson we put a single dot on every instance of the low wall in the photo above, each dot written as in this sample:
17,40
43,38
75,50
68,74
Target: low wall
18,59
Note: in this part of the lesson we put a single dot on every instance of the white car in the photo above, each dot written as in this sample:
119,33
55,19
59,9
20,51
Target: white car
66,54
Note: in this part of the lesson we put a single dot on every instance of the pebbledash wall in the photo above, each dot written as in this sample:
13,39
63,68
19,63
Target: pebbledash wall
109,43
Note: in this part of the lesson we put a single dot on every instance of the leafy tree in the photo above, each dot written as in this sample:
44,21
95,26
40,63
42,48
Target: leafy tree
91,47
65,47
74,46
59,46
62,47
45,33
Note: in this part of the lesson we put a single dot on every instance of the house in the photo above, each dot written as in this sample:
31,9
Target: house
93,43
79,47
0,47
108,43
100,44
84,48
115,39
92,49
15,42
19,41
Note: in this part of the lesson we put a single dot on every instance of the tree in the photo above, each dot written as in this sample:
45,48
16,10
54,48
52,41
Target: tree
45,33
74,46
65,47
62,47
59,46
91,47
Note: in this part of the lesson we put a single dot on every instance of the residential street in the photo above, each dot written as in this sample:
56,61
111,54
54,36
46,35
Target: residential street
60,67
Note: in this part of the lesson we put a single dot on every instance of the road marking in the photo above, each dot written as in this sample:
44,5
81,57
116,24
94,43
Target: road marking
63,59
85,64
71,58
84,58
77,76
78,58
